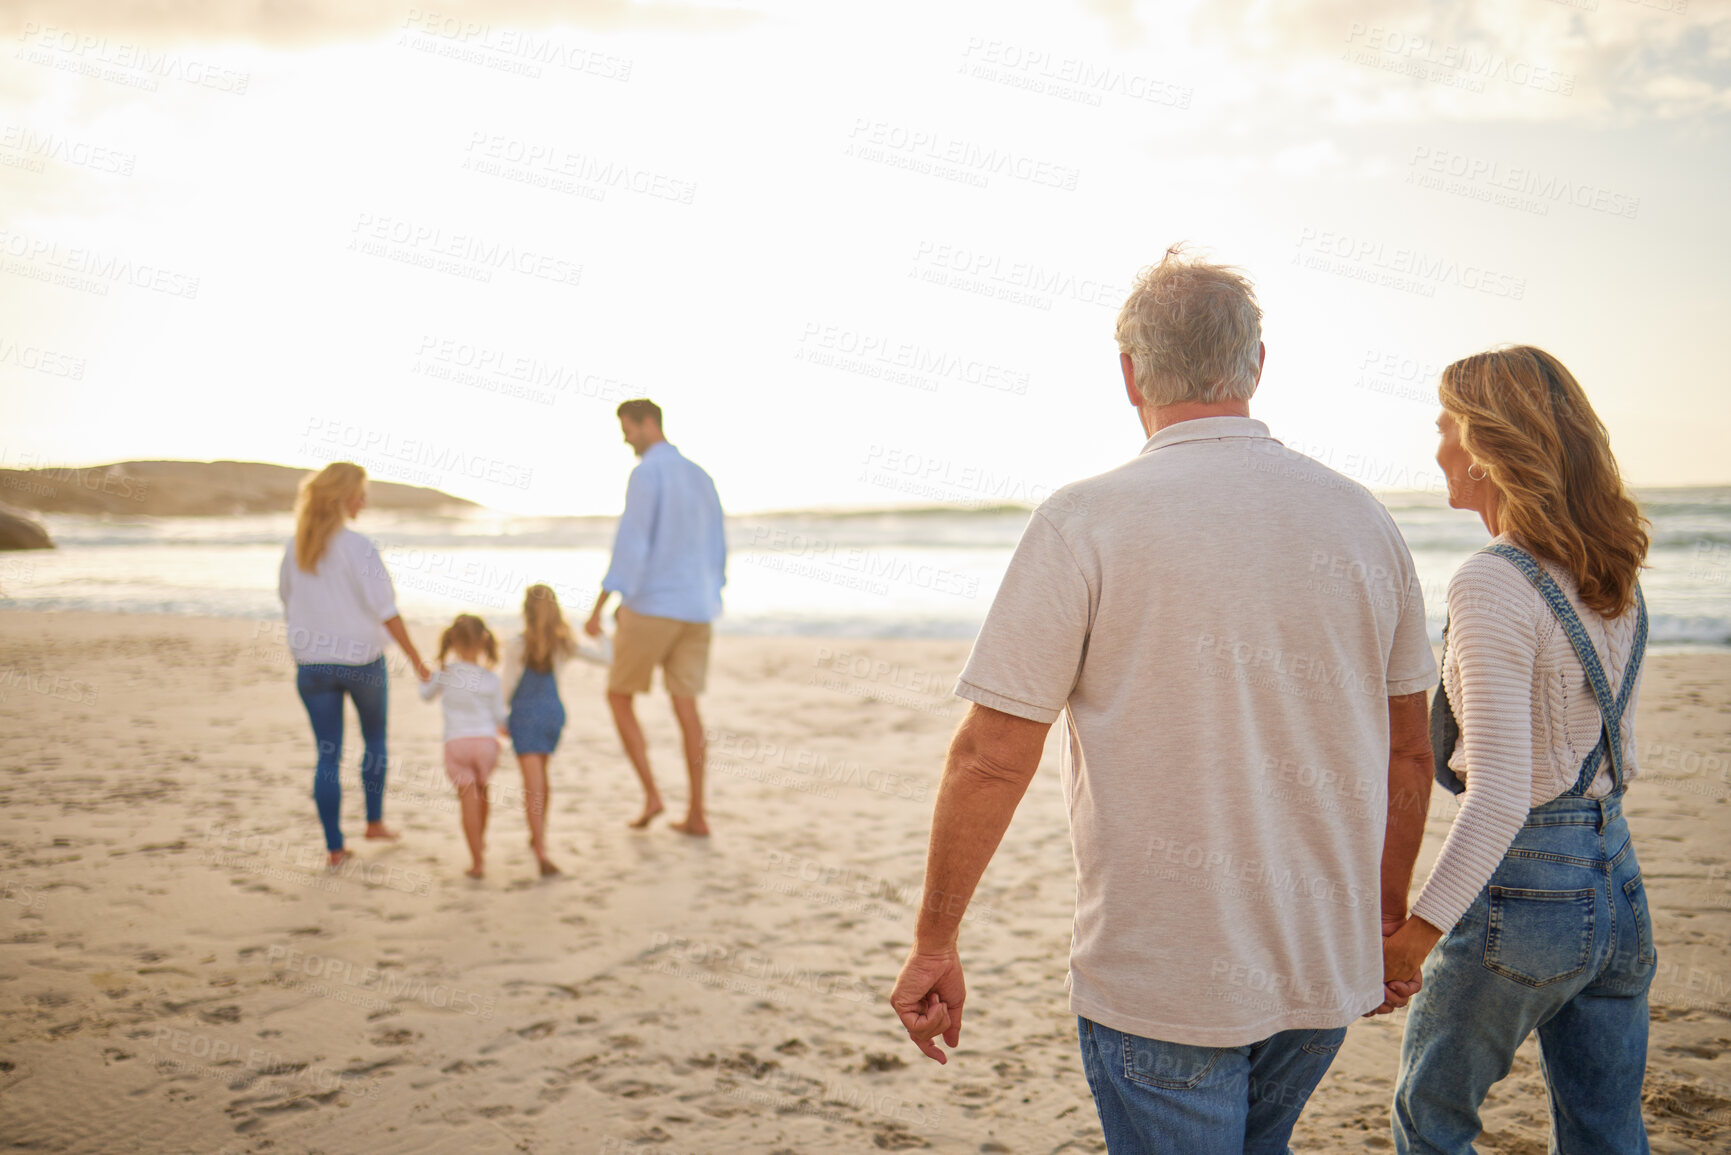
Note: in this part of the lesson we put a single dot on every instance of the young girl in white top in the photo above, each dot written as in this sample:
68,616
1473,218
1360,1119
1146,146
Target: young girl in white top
474,714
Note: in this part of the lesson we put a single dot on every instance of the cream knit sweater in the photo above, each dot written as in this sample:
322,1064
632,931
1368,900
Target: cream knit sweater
1527,715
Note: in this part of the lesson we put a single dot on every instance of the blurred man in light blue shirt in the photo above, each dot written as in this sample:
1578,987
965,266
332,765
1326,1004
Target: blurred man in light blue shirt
669,564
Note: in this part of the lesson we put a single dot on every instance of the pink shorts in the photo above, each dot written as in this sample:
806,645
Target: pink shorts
469,761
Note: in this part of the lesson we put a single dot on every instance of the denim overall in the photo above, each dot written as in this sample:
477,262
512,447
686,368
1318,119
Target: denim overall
537,715
1558,941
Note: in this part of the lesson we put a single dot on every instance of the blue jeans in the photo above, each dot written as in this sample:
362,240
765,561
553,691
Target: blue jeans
1558,942
322,687
1156,1098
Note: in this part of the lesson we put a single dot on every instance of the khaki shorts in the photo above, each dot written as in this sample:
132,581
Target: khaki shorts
643,642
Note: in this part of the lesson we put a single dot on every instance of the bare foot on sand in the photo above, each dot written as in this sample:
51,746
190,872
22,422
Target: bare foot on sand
650,810
547,868
696,827
377,830
474,872
338,857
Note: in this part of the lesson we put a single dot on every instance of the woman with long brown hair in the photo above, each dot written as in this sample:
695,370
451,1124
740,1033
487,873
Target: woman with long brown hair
1535,908
340,607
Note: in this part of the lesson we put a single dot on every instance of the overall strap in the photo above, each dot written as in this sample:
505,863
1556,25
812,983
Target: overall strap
1445,731
1636,653
1631,674
1610,708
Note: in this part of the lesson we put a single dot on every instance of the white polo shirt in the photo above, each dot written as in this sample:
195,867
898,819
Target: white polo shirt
337,614
1222,622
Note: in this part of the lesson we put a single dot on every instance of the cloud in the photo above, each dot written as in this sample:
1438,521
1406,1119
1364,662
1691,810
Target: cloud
318,21
1621,61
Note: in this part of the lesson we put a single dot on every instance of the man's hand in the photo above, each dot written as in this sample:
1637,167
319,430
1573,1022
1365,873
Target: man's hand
1409,779
592,627
992,758
928,998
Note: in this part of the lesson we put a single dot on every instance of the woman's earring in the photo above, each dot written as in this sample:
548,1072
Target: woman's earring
1480,475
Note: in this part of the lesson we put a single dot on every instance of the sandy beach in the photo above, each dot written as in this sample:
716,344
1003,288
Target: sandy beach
179,973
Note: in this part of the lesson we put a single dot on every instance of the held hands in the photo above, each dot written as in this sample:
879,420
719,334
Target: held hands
1396,995
1405,943
1396,992
928,998
1404,948
592,627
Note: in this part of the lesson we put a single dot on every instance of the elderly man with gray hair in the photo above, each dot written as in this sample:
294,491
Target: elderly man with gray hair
1235,638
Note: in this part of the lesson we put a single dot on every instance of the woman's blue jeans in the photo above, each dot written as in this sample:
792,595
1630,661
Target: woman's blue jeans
1558,942
322,686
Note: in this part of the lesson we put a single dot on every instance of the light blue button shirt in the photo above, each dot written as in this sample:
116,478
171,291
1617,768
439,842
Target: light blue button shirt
670,550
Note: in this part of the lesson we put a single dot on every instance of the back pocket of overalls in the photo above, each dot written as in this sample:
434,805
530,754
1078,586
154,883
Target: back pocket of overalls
1636,893
1538,937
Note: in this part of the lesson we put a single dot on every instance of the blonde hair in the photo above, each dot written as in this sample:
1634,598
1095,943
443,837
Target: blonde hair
469,633
320,509
545,633
1193,332
1527,422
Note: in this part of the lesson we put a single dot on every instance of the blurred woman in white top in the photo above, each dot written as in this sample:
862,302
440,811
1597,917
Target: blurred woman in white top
340,608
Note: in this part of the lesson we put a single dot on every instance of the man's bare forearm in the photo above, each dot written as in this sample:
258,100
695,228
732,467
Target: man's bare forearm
992,759
1410,769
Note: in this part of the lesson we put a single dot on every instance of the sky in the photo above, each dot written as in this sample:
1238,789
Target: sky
861,255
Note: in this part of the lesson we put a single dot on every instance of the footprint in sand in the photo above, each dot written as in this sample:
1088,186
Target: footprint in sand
252,1076
636,1089
261,1107
896,1137
463,1066
1684,1102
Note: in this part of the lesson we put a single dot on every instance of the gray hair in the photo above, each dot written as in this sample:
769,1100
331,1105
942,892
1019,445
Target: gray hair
1193,331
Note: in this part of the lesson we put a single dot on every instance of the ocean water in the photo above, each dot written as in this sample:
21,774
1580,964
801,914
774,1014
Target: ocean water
889,574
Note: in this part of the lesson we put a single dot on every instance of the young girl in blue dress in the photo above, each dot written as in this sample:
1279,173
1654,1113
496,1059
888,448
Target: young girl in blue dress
533,660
